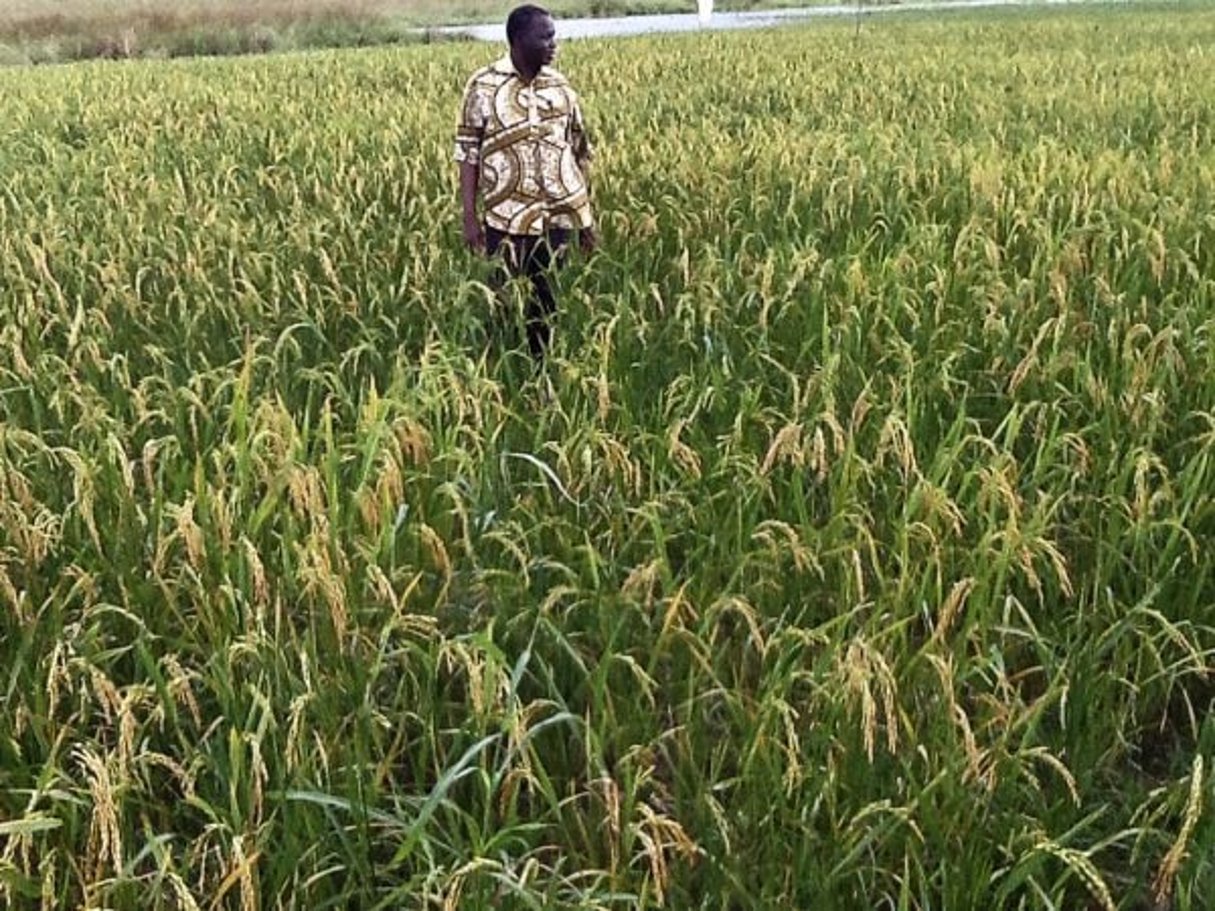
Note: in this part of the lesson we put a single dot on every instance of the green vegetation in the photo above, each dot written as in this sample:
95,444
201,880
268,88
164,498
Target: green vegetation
855,549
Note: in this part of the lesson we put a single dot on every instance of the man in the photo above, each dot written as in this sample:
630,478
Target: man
522,147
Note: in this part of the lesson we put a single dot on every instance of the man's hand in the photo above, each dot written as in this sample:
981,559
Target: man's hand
474,235
588,240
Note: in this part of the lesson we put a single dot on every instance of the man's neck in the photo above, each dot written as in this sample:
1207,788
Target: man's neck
527,74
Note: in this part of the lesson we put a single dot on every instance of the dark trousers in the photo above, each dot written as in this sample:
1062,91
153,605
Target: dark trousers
533,258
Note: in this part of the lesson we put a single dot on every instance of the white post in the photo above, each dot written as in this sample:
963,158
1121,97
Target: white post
704,11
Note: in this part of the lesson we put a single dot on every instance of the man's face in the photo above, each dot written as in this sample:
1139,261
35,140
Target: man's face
538,43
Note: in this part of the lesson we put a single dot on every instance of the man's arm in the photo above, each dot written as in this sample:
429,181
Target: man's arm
470,133
580,141
474,234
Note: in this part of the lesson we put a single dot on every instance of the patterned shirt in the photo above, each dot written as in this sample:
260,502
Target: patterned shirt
530,144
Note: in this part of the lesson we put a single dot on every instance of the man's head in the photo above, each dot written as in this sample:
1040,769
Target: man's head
532,36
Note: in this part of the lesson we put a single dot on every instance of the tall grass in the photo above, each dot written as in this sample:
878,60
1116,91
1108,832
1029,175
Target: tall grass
854,549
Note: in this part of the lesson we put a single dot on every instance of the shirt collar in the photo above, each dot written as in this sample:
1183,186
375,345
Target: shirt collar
506,66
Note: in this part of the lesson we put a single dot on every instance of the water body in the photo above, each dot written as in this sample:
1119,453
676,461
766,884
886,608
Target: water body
618,26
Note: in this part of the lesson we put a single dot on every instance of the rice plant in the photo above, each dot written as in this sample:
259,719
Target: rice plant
854,549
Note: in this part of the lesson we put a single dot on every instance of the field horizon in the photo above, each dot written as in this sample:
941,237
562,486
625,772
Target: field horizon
65,31
51,31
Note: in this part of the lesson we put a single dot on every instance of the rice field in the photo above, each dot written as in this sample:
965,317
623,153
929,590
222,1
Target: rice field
855,549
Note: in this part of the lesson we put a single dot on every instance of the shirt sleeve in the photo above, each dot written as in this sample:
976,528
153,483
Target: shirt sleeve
470,128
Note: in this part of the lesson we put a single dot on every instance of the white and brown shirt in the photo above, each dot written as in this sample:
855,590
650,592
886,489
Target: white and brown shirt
530,143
